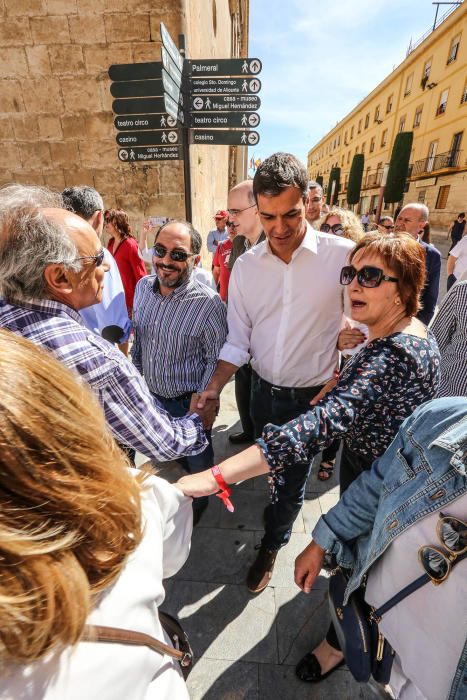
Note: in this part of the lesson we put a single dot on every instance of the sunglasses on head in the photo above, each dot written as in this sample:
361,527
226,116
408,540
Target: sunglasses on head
337,229
437,562
368,276
176,255
98,259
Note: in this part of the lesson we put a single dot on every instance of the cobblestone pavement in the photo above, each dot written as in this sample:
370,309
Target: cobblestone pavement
247,645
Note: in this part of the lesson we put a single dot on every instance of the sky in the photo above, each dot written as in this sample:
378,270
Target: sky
320,58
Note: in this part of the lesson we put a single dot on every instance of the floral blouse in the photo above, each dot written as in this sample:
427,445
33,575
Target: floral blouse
377,390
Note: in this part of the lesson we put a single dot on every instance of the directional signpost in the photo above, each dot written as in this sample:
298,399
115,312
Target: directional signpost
213,101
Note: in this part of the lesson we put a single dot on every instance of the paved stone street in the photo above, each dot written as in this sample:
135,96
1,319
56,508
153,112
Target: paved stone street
247,645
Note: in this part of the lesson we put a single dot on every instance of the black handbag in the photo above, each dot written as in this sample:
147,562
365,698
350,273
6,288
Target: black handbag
366,651
181,649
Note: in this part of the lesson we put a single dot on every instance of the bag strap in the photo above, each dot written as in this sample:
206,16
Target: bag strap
408,590
117,635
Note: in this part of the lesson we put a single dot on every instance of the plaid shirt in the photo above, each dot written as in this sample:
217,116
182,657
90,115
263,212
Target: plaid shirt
134,417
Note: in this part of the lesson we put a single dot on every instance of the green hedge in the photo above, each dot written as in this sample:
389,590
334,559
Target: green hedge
355,179
398,167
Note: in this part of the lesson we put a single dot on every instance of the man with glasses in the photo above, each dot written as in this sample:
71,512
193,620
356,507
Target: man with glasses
52,266
314,202
386,224
284,313
180,327
109,317
249,232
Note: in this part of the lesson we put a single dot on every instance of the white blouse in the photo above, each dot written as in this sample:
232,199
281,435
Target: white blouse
101,671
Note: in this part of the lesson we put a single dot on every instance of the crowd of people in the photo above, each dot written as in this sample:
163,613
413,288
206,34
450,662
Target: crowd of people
332,335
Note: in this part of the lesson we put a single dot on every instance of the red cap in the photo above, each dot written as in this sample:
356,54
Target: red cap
222,214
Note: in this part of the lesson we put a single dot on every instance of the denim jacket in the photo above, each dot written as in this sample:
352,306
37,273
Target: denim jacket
422,471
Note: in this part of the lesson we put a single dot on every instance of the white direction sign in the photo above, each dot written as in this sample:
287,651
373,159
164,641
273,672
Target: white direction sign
170,67
169,44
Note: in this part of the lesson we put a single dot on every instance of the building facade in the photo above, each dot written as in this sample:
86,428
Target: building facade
56,121
425,94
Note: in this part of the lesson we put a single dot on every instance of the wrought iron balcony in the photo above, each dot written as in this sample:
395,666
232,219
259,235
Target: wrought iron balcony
451,159
374,179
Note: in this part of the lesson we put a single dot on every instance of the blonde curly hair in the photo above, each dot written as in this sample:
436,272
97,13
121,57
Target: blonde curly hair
70,511
353,229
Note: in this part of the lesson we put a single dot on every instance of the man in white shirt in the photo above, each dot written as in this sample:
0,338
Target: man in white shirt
457,262
284,312
314,202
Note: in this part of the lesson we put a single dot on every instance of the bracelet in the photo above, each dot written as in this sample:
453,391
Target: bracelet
225,490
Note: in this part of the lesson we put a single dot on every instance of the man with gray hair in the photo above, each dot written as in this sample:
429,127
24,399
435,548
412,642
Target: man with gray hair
180,326
108,318
314,202
52,266
412,219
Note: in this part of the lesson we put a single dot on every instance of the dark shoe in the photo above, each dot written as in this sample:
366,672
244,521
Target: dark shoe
240,438
326,470
261,570
309,670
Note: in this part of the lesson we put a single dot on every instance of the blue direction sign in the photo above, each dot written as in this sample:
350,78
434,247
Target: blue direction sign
170,87
173,108
140,122
170,67
141,105
224,137
225,66
135,71
224,103
134,155
147,138
137,88
224,86
169,45
223,120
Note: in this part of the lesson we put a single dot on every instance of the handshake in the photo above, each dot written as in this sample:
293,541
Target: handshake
206,405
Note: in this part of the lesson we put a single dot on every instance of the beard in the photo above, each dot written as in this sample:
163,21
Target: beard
183,275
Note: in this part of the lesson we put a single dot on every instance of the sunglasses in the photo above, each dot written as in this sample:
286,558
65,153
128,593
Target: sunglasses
368,276
175,255
388,228
98,259
230,223
437,562
235,212
336,229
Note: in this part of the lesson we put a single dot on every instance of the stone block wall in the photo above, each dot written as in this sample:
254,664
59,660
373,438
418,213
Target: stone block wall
56,122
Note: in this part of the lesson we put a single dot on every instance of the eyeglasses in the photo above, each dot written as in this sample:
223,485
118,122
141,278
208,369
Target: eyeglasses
437,562
336,229
98,259
235,212
230,223
176,255
368,276
388,228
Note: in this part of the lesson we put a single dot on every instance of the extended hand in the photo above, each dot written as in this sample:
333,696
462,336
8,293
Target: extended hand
308,564
197,485
206,405
329,386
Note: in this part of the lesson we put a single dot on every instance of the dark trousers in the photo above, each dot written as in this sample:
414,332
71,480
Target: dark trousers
452,279
352,466
278,405
178,407
243,398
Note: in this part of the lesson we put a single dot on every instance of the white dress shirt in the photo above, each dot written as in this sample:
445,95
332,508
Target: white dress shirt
286,317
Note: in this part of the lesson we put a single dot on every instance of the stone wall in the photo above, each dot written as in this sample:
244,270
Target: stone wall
56,123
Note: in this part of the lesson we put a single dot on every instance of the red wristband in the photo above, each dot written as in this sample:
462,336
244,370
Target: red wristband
225,490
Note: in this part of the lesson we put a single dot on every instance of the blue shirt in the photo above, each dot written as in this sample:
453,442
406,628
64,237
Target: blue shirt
134,417
178,337
111,311
215,235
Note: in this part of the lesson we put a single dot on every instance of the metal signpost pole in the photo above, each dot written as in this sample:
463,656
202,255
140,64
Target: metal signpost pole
185,131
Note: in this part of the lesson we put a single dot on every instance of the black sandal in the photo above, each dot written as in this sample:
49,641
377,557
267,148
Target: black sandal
327,469
309,670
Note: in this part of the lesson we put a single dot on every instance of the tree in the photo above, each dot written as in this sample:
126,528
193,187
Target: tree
334,176
398,167
319,180
355,179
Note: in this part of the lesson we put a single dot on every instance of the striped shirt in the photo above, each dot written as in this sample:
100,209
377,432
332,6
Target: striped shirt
132,414
450,330
178,337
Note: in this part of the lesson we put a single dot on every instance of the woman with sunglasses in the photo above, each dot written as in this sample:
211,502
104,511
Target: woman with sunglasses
342,222
378,388
405,520
125,250
386,225
83,541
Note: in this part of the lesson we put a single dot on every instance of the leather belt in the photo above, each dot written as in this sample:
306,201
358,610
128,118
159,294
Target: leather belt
294,392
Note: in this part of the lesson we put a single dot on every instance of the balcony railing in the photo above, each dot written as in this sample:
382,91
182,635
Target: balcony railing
373,179
439,162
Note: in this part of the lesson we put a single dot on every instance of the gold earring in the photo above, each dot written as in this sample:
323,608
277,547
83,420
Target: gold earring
397,302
